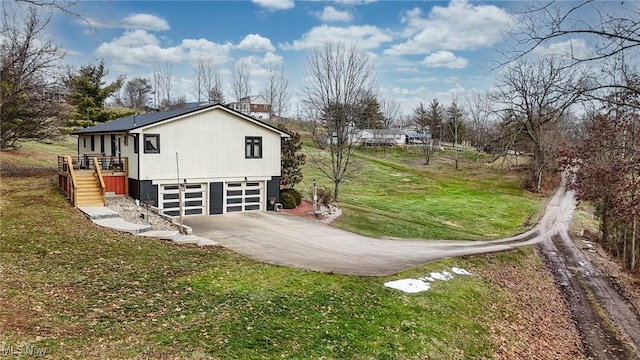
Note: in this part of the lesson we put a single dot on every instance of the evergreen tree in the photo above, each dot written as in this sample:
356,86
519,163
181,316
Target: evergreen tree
292,160
370,115
88,93
435,119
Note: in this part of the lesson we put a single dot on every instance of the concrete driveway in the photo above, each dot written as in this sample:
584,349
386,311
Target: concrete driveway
288,240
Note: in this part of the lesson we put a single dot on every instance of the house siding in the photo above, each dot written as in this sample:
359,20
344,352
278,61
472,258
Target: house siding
143,190
209,146
273,190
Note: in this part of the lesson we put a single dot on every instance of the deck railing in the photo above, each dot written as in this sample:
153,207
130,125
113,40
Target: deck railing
98,171
67,178
86,162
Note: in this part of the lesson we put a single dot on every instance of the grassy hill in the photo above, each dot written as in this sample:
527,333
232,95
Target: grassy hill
393,194
73,290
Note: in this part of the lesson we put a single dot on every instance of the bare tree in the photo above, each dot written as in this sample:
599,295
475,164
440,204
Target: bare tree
480,113
214,85
136,93
163,78
29,59
276,90
421,122
456,126
241,80
592,32
391,113
538,95
197,83
338,76
206,76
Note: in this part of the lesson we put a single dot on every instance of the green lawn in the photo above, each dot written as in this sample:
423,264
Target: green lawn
396,195
84,292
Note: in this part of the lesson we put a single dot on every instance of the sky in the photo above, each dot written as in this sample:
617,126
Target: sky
422,49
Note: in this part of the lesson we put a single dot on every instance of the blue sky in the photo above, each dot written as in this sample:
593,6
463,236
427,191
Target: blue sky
422,49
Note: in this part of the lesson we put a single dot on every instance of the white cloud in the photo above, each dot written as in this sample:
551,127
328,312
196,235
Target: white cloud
138,47
255,42
203,48
445,59
274,4
329,13
273,59
131,22
364,36
145,22
577,48
354,2
407,69
459,26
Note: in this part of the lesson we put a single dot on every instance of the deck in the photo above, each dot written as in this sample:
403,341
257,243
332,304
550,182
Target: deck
86,180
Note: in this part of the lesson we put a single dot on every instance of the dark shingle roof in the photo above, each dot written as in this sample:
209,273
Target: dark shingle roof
136,121
129,123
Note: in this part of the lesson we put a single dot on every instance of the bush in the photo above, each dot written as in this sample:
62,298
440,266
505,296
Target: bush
325,196
297,195
288,200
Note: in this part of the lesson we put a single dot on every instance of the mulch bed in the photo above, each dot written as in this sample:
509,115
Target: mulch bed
305,210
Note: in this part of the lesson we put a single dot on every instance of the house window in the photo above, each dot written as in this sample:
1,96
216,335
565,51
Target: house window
102,144
84,141
126,140
152,143
135,144
253,147
93,143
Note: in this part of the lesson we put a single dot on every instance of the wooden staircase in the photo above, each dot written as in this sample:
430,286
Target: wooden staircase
88,189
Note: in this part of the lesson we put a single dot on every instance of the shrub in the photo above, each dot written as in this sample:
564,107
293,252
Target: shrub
288,200
297,195
325,196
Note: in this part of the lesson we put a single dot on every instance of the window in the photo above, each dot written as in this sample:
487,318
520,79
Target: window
93,143
152,144
102,144
253,147
84,141
135,144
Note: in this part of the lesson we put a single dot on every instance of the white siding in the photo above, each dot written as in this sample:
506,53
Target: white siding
210,145
128,152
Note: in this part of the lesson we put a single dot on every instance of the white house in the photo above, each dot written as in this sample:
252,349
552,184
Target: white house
383,137
227,161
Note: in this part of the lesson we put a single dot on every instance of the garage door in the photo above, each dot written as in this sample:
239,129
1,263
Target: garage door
194,197
243,196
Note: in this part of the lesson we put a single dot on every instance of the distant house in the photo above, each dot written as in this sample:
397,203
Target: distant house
256,106
225,160
383,137
417,138
54,93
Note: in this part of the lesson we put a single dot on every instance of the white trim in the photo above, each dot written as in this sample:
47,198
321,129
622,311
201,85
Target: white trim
242,196
243,116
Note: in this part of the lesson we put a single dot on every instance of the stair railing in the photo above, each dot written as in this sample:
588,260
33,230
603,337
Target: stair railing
98,172
73,185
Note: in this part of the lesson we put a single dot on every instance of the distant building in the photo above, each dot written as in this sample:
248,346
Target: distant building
255,106
55,93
